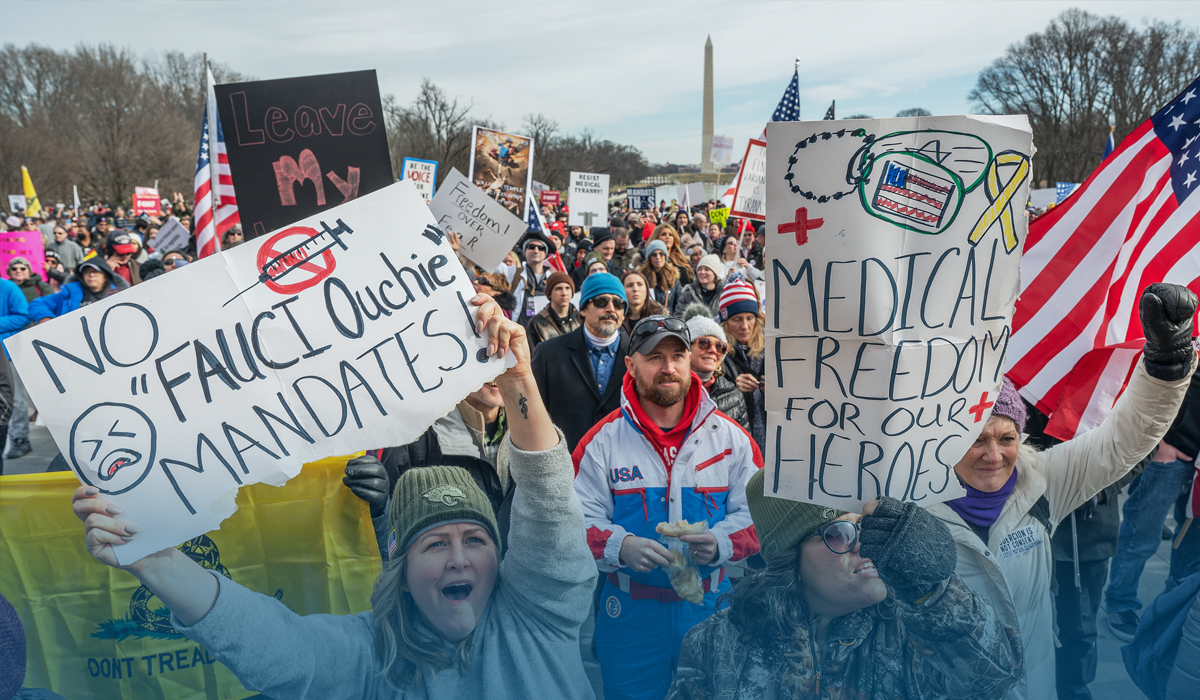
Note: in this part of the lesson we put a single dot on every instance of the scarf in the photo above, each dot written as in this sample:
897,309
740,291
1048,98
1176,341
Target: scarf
980,508
597,342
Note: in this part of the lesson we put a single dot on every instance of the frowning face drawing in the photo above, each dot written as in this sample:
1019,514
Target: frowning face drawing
112,447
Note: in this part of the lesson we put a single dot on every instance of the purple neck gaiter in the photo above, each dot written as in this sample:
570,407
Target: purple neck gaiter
981,508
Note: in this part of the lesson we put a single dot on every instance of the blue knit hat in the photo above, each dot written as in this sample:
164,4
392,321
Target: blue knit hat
601,283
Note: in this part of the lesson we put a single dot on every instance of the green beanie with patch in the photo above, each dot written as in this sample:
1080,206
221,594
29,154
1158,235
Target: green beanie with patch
781,523
427,497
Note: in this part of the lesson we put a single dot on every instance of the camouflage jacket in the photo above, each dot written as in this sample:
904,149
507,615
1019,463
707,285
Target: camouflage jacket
950,646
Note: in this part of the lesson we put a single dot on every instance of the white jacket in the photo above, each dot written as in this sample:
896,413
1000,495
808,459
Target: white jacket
1014,570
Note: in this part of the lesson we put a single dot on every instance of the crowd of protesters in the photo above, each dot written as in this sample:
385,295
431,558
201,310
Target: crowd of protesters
616,472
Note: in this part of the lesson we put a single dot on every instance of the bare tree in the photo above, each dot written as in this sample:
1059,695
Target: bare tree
434,127
914,112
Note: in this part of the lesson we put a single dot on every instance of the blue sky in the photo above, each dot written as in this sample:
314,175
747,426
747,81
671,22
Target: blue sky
631,72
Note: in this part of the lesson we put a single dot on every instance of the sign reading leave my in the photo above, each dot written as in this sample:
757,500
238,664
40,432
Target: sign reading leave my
349,330
298,146
893,257
487,230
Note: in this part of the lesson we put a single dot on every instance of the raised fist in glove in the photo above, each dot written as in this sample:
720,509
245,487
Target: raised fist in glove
912,550
368,479
1167,311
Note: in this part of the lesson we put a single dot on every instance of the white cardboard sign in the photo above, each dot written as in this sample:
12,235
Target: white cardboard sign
588,194
172,236
750,190
487,231
348,330
893,262
422,173
722,149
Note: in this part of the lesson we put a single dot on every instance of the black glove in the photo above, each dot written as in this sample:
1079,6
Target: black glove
367,478
1166,311
912,550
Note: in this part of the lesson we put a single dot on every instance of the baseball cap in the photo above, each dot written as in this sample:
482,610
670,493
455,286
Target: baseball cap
651,330
123,243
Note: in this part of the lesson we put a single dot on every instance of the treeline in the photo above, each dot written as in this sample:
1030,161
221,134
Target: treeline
106,119
1081,74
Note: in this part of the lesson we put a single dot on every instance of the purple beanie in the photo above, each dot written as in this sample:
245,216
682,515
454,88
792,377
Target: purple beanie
12,650
1009,405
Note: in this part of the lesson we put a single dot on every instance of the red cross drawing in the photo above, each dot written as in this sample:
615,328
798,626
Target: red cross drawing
982,406
801,225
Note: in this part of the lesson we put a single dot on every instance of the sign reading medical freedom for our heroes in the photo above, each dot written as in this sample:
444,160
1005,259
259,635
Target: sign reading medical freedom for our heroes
588,200
893,258
298,146
348,330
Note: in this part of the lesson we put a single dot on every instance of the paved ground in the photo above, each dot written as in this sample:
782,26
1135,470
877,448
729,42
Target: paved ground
1112,682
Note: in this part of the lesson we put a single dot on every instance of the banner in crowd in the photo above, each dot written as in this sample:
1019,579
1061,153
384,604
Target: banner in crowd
95,632
893,257
146,201
347,331
23,244
722,150
588,200
298,146
502,166
640,198
548,198
486,230
16,203
172,236
719,216
750,188
422,173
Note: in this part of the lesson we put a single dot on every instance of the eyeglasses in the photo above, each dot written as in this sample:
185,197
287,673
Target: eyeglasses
707,344
840,536
652,324
602,302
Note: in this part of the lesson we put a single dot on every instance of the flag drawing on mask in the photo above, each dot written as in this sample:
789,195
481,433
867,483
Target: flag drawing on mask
215,203
913,194
1134,221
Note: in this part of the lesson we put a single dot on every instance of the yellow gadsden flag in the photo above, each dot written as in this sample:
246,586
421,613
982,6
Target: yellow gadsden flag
32,206
93,631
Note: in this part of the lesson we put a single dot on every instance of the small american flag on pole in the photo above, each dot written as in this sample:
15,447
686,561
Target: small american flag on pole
210,228
1135,221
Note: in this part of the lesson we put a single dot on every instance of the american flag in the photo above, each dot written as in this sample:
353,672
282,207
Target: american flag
1076,332
534,221
829,113
208,230
1062,190
788,110
1110,145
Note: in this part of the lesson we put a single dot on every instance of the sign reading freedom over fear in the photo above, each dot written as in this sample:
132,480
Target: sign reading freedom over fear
893,259
487,231
349,330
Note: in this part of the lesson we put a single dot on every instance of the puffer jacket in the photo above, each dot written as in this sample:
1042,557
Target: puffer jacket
692,294
729,400
950,646
1014,569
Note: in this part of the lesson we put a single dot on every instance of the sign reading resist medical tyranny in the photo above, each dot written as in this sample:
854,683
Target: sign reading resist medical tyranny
588,199
348,330
893,258
298,146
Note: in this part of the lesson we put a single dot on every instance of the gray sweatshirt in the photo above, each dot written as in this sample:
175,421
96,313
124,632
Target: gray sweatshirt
525,647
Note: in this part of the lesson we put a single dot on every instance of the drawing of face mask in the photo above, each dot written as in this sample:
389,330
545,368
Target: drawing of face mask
112,447
917,179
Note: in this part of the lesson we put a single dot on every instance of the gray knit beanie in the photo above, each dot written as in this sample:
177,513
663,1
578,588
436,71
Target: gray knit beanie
700,323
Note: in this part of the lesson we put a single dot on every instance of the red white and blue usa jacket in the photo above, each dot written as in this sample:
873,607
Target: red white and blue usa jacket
628,486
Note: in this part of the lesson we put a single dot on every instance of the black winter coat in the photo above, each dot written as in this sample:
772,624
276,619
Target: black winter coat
563,371
729,400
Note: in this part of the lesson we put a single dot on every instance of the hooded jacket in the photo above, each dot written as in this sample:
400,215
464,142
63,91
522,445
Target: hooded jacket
35,287
71,296
1013,570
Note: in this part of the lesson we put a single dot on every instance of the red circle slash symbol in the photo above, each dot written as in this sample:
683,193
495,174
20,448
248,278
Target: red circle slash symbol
291,261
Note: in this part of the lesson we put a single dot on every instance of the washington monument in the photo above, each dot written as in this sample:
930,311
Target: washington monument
706,164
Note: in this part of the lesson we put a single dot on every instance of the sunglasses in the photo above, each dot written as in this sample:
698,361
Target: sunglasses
707,344
602,302
653,324
17,268
536,246
840,536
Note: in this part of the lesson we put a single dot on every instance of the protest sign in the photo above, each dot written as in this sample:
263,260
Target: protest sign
422,173
750,190
23,244
298,146
92,632
502,166
172,236
893,258
276,362
588,197
548,198
487,231
719,216
146,201
16,203
639,198
722,149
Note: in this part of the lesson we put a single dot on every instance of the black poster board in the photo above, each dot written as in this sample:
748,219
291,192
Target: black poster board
298,146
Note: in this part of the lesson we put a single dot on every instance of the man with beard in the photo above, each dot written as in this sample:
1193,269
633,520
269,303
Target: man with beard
666,455
579,374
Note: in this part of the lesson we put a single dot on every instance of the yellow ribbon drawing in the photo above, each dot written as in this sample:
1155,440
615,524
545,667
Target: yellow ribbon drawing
1001,198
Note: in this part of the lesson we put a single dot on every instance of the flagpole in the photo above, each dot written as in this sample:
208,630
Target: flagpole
210,106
